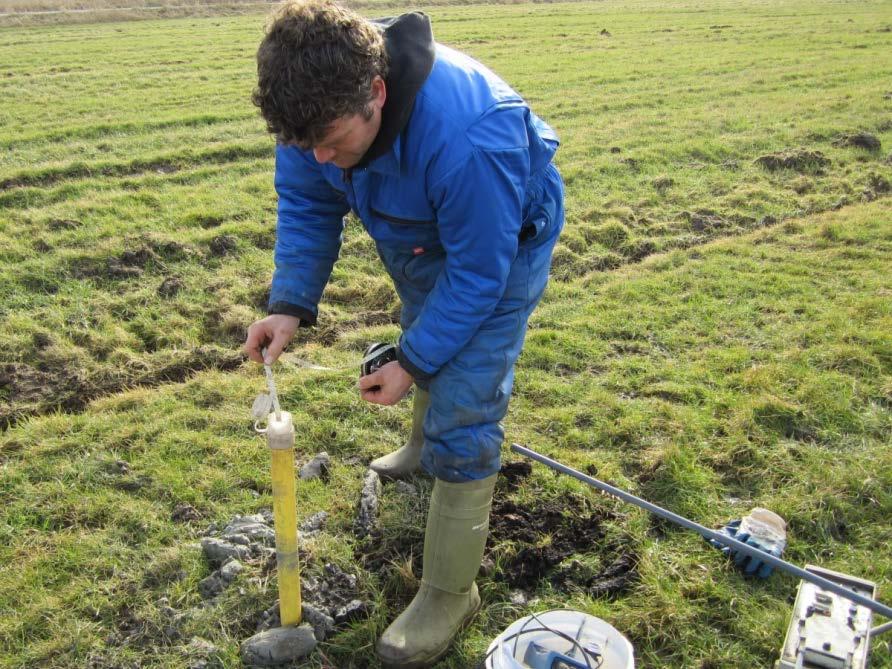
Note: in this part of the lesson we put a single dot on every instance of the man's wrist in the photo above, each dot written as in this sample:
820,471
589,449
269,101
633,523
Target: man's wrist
421,377
306,317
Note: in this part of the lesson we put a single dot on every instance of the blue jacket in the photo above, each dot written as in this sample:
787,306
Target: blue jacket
462,174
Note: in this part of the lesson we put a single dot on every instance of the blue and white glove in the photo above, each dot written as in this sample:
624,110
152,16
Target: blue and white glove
762,529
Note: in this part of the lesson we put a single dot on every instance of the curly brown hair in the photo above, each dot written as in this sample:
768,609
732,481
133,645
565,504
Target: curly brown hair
315,65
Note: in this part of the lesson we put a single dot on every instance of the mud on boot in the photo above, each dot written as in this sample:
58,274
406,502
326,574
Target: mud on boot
422,633
457,528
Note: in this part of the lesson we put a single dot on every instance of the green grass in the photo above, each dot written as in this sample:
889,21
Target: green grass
716,335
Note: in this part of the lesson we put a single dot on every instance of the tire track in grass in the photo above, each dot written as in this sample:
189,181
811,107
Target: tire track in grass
165,163
118,129
705,228
40,389
23,199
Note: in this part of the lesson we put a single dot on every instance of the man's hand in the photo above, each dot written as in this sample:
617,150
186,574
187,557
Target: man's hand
386,386
274,332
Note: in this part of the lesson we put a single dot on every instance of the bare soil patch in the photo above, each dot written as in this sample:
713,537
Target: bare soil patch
63,224
128,264
63,384
223,245
798,160
549,535
170,286
549,541
166,166
859,140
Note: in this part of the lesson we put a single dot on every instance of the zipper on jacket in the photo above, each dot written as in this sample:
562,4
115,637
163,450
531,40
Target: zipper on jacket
400,221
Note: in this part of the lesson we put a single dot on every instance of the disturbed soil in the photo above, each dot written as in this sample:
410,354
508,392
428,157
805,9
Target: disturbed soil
62,384
550,540
798,160
860,140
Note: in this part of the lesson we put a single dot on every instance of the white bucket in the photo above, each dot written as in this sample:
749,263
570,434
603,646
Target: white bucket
508,650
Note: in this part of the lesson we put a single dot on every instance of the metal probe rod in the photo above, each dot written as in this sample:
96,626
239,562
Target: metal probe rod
705,532
876,631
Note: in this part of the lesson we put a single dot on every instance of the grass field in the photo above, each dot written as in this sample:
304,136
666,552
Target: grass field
717,334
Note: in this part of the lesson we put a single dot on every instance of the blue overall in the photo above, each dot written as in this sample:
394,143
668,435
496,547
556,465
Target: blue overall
465,208
469,394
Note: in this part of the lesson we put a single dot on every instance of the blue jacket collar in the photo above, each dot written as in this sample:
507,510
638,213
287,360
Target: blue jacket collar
390,162
409,42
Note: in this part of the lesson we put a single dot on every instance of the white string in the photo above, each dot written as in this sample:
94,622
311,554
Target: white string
271,383
291,359
304,364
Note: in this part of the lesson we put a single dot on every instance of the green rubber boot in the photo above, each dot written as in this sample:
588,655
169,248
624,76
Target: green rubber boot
406,460
457,527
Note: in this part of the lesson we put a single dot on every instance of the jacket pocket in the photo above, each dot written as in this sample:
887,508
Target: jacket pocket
400,221
422,270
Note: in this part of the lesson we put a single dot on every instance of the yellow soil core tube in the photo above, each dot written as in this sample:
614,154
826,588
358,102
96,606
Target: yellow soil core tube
280,436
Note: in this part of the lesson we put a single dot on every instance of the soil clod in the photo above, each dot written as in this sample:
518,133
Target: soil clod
217,551
230,570
335,593
406,488
355,609
138,257
253,531
707,222
217,582
614,578
859,140
211,586
513,473
243,538
663,182
277,646
314,524
322,623
63,224
223,245
550,533
203,654
798,160
41,340
367,518
115,269
170,286
317,468
879,184
519,597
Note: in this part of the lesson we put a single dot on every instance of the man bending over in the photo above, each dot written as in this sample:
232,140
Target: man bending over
450,173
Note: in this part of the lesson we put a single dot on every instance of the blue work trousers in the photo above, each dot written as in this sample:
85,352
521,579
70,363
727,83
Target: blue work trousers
469,395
